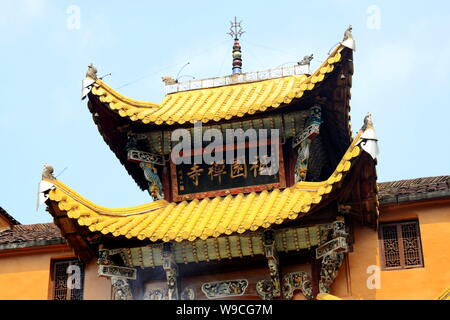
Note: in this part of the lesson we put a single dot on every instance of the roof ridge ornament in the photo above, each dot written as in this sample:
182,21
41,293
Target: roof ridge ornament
348,33
368,123
92,72
47,172
236,32
368,140
45,185
306,61
348,40
89,80
168,80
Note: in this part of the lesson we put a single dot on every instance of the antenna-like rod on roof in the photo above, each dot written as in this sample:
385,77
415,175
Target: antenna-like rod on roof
106,75
236,32
186,75
176,78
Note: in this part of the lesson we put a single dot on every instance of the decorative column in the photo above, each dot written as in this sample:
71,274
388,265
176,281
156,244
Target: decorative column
269,289
171,269
303,141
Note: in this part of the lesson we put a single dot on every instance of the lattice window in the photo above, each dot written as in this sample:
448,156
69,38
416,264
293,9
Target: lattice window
401,246
68,280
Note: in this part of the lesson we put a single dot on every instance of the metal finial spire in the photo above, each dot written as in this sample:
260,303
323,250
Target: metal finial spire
236,29
236,32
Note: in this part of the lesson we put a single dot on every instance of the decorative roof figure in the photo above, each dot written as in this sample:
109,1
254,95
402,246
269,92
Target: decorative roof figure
348,40
169,80
88,81
348,33
306,60
367,122
236,33
369,141
92,72
47,172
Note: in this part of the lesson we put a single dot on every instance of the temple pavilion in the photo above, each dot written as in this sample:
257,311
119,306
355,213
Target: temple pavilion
243,229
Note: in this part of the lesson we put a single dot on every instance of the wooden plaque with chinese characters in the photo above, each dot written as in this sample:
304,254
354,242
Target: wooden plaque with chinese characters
196,181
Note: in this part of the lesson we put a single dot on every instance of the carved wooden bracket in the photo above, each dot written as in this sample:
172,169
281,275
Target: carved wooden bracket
330,267
162,294
297,281
106,267
156,294
226,288
103,257
332,254
265,289
121,289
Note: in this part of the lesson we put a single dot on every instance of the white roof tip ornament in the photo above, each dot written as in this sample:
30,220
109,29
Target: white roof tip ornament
88,81
348,41
44,185
368,140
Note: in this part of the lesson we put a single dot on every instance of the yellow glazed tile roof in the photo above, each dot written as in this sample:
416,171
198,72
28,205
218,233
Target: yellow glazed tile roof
219,103
161,220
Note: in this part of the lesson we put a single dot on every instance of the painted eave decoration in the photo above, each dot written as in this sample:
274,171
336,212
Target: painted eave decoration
200,219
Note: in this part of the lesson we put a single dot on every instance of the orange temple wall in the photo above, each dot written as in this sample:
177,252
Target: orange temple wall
417,283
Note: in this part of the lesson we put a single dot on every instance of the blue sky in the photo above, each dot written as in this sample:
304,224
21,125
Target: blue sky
401,76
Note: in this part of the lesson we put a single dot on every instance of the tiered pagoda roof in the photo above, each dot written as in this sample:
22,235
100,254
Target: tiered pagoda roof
82,221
